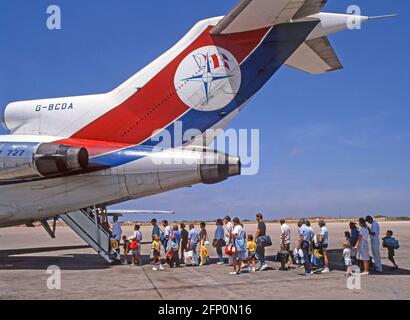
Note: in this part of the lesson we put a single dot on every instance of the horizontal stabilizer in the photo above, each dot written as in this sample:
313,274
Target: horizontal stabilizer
315,56
309,8
251,15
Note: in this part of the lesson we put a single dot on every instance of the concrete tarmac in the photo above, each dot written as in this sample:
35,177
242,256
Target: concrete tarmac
26,253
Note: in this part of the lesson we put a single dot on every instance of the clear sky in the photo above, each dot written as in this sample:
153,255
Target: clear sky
335,144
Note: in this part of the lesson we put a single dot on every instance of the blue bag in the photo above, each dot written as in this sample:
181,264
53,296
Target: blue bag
391,242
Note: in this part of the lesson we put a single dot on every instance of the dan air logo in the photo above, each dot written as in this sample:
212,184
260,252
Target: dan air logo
208,79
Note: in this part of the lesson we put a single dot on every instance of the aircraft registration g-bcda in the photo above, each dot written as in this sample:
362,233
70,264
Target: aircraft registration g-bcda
71,157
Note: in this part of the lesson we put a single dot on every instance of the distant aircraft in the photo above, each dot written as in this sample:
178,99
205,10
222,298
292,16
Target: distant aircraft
71,157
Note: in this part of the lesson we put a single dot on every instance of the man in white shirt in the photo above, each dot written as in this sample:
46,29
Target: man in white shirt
228,228
285,241
116,229
116,234
167,232
167,237
374,231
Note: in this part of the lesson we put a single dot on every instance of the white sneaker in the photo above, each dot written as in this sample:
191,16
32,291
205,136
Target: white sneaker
364,273
263,267
253,269
154,269
220,263
161,267
233,273
325,270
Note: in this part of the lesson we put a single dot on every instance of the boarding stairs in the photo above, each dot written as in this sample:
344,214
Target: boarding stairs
86,223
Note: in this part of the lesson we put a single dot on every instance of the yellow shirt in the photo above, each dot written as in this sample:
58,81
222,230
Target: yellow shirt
156,245
251,246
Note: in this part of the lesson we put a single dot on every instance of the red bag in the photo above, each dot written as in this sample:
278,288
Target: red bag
230,250
170,254
134,245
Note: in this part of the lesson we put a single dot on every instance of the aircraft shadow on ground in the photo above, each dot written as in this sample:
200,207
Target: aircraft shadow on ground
17,259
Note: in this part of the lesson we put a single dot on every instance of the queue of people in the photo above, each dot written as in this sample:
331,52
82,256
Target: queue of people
176,245
356,249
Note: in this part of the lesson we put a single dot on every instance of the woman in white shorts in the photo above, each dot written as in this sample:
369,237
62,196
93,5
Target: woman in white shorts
362,246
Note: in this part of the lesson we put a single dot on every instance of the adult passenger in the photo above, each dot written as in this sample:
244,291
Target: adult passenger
238,235
155,229
184,240
374,231
203,239
362,246
260,237
285,243
305,241
354,236
175,240
219,241
137,252
116,229
324,239
116,234
166,238
193,240
228,228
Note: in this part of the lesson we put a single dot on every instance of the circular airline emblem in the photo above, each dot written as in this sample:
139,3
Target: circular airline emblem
208,79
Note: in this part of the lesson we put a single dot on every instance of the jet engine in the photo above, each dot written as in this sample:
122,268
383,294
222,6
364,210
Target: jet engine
32,160
216,167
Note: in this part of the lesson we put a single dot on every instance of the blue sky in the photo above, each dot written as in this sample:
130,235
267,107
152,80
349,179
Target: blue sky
335,144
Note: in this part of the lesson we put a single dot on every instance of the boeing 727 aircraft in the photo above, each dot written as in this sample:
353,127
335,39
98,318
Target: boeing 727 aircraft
72,157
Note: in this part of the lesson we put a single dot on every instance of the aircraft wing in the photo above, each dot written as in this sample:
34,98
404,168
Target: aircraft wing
120,213
315,56
257,14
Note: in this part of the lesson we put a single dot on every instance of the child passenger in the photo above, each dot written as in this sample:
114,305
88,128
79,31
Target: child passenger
251,245
126,249
391,246
156,253
347,251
